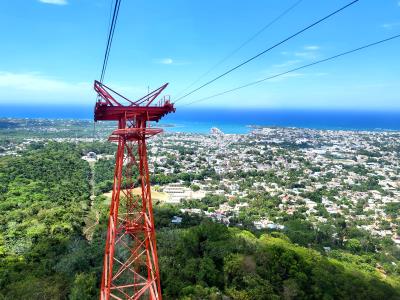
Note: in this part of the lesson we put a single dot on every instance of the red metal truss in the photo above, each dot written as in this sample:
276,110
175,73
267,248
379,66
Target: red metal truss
130,267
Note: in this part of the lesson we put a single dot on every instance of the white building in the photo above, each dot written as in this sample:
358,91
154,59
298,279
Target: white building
177,192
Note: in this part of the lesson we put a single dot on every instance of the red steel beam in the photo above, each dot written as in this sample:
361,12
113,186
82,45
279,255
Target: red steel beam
130,267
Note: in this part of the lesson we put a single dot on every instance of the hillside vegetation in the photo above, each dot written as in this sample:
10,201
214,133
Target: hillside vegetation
210,260
44,199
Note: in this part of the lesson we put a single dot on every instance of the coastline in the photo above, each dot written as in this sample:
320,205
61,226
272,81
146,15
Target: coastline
230,120
21,124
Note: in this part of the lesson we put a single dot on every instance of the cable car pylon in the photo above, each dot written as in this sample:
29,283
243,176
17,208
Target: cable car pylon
130,267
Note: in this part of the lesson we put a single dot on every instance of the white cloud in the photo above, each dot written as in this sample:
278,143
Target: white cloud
287,76
170,61
311,48
164,61
390,26
288,63
55,2
272,72
306,54
31,81
35,87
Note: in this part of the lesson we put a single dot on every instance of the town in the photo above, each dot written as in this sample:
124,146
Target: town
317,173
333,192
260,178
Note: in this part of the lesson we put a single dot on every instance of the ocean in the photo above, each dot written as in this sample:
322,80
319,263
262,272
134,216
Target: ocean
231,120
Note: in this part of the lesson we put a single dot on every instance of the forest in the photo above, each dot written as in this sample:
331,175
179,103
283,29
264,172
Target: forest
44,253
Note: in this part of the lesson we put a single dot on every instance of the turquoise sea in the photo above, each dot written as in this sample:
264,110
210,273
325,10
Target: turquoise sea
239,121
232,120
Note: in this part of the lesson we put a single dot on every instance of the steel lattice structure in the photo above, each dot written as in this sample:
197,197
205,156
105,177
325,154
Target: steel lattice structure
130,267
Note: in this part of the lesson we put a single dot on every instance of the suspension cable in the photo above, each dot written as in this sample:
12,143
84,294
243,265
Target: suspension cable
276,19
110,38
268,49
294,70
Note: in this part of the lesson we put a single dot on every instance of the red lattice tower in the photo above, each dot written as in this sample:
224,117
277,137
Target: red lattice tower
130,268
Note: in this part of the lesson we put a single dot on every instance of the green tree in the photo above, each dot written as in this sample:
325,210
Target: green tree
84,287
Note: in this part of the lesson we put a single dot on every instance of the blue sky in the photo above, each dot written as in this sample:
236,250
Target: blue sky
52,50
